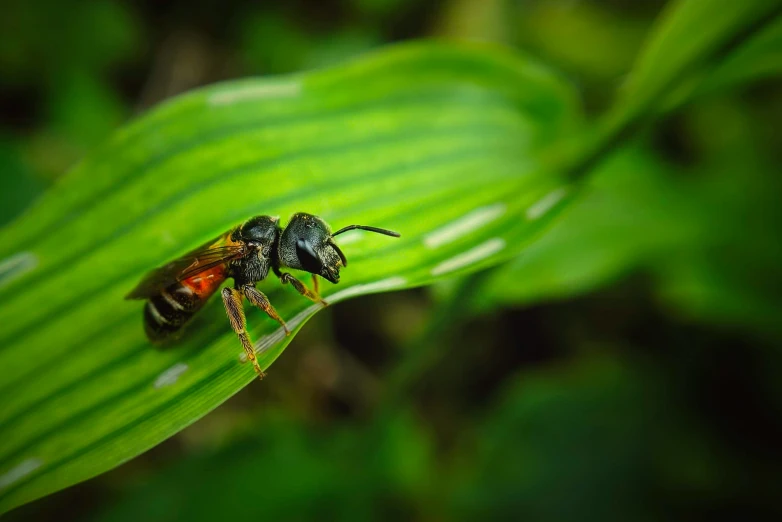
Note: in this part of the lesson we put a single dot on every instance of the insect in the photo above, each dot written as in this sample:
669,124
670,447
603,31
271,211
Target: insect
177,290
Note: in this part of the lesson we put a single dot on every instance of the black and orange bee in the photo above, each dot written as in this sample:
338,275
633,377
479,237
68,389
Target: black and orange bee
177,290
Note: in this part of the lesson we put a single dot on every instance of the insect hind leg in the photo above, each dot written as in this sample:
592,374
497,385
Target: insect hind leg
232,299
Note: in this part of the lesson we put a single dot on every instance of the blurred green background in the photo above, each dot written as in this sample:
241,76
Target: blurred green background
627,367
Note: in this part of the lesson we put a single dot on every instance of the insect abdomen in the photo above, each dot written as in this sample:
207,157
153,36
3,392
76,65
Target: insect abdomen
166,313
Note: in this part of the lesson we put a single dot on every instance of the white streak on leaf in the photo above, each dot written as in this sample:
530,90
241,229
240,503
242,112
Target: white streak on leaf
464,225
18,472
16,266
368,288
545,203
282,89
472,256
270,340
171,375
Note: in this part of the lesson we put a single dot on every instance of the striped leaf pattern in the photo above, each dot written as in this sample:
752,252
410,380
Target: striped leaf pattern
438,142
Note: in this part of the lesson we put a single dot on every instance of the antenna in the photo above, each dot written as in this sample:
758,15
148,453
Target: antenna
369,229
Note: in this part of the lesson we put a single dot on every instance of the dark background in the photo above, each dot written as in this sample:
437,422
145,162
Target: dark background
650,393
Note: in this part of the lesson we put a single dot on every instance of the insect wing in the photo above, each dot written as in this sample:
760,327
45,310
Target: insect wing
207,256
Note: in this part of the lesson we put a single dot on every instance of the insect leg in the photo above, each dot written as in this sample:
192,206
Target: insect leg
301,288
315,284
261,301
232,299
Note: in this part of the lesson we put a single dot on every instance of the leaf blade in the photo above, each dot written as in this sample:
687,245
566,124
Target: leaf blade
412,139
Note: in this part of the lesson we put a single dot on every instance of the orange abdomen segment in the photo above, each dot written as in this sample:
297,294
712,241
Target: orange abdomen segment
205,283
166,313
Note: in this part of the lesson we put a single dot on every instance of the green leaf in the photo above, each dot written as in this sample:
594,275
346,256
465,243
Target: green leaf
689,41
620,223
691,36
705,235
437,142
757,58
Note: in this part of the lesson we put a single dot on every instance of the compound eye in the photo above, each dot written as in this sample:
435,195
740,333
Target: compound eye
307,257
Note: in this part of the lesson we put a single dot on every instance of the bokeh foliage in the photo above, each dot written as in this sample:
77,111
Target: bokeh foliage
625,366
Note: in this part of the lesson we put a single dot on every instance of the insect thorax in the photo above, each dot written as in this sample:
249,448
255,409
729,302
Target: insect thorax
250,269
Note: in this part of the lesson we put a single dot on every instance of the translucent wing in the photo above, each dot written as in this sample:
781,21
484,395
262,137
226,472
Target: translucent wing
207,256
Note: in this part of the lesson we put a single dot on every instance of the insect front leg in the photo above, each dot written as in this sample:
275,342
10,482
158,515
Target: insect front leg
301,288
232,299
257,298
